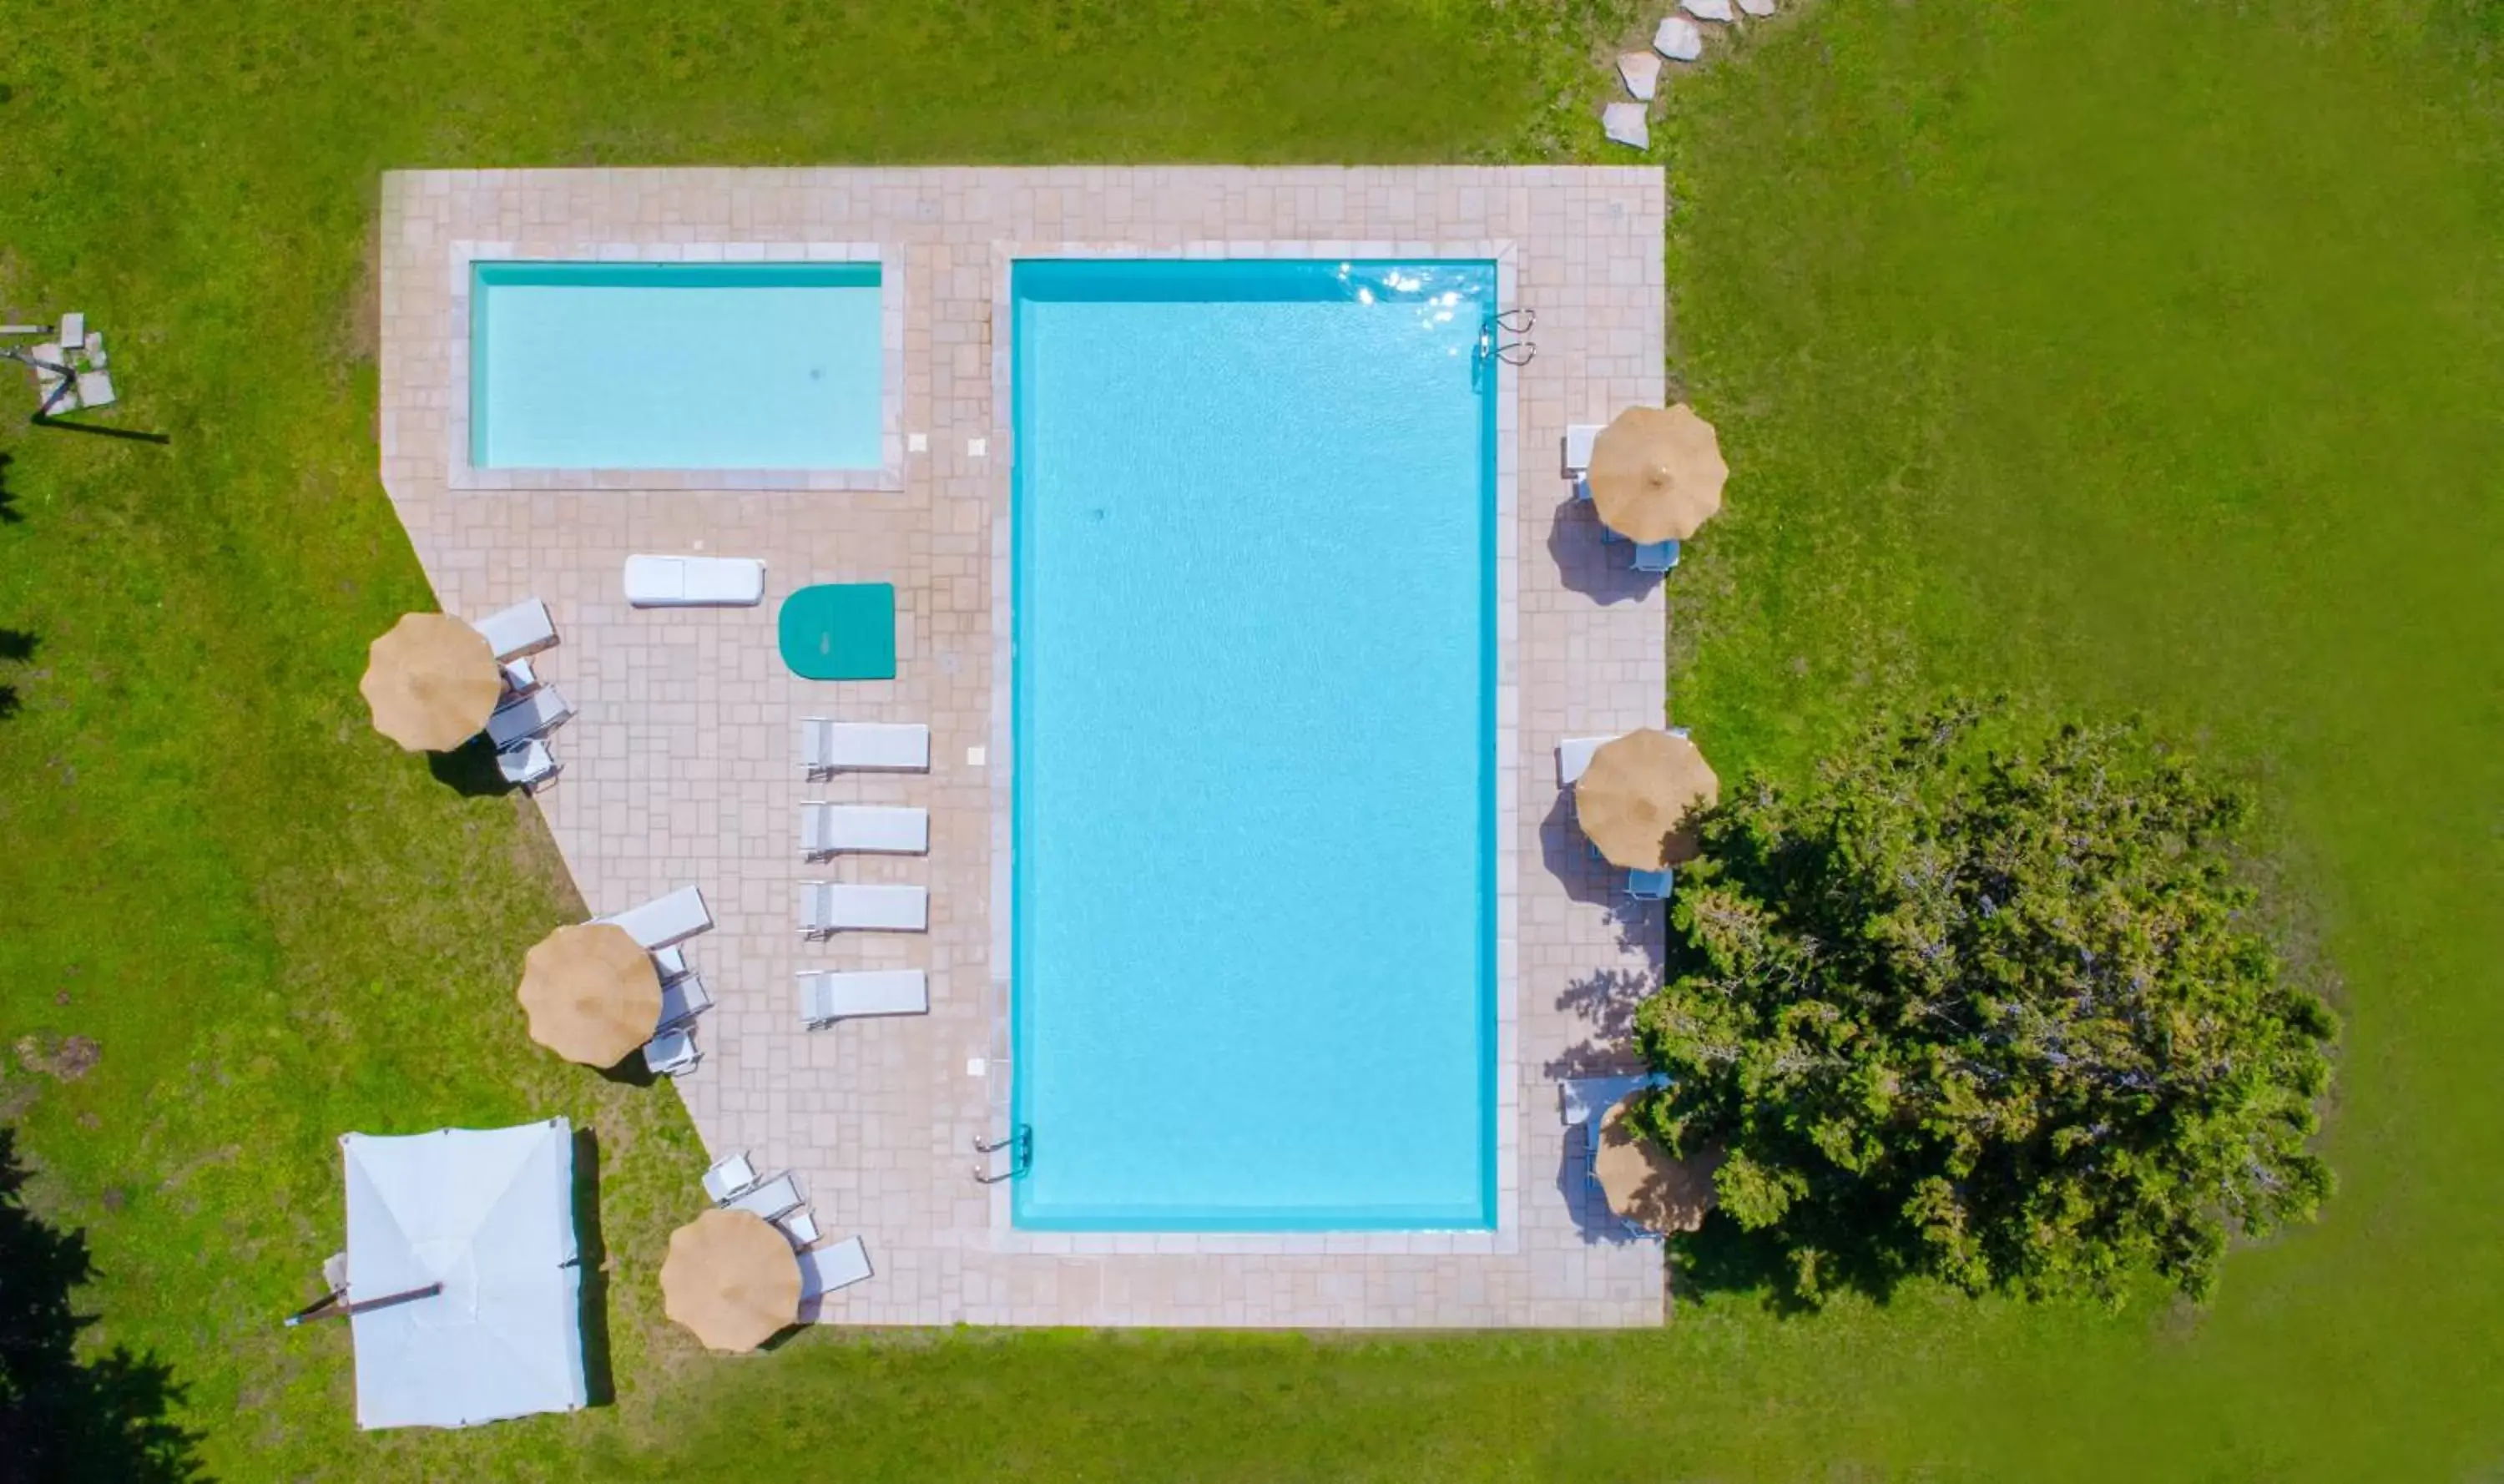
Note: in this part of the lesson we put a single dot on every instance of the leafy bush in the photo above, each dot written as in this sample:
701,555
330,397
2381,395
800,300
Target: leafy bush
1988,1003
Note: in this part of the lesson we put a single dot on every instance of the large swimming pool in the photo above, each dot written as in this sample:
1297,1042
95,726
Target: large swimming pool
1253,872
666,366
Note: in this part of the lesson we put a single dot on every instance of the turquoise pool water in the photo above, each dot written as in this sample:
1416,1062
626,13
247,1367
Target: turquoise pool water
665,365
1254,532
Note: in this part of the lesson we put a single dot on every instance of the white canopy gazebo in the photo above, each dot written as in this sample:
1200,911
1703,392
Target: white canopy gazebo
462,1285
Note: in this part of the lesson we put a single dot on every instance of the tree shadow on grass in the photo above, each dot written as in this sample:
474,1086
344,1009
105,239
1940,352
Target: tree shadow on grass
105,1418
591,1246
17,644
8,512
633,1071
469,770
1722,1260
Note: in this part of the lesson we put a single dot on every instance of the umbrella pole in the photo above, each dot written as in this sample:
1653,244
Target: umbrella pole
329,1306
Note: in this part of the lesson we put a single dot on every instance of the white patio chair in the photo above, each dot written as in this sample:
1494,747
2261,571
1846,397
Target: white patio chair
825,1269
683,999
827,829
520,679
534,714
832,746
826,997
670,962
840,907
527,765
1648,885
800,1227
729,1175
769,1199
671,1053
694,582
665,919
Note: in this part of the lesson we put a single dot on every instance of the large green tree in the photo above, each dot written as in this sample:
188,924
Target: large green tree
1989,1002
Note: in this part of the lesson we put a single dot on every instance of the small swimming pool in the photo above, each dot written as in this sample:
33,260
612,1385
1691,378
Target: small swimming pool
667,365
1253,892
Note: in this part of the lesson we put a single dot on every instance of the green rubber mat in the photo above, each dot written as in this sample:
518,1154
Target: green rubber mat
841,631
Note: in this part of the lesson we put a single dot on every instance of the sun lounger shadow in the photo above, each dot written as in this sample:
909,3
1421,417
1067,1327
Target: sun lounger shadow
470,770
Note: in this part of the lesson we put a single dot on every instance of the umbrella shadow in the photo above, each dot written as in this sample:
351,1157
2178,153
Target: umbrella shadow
471,771
591,1249
631,1071
1590,564
1567,853
1584,1201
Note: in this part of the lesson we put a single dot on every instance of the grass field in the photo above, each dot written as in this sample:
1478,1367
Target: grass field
2125,354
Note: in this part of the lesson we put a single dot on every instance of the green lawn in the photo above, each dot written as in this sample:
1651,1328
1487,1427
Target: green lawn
2124,354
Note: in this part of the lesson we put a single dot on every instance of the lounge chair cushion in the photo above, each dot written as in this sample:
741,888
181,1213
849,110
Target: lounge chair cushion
521,630
828,828
831,907
676,582
828,1268
666,920
827,747
829,996
527,715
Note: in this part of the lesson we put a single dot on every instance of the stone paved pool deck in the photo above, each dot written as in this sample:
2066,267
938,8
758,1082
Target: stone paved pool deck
681,764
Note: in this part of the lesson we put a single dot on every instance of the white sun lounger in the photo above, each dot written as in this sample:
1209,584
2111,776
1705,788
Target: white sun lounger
1584,1098
523,629
665,919
800,1227
838,907
671,963
694,582
526,763
768,1200
730,1174
828,1268
1648,885
1656,556
831,746
1578,440
683,999
828,828
826,997
671,1053
1574,757
527,717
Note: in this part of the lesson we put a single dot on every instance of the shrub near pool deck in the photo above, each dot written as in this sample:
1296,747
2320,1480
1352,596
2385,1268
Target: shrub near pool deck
1985,1004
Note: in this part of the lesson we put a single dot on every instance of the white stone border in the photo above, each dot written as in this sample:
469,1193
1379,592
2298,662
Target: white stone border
1505,1238
462,474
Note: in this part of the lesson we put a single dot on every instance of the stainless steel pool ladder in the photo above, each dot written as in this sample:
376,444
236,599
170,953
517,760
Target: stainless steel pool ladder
1515,323
1020,1143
